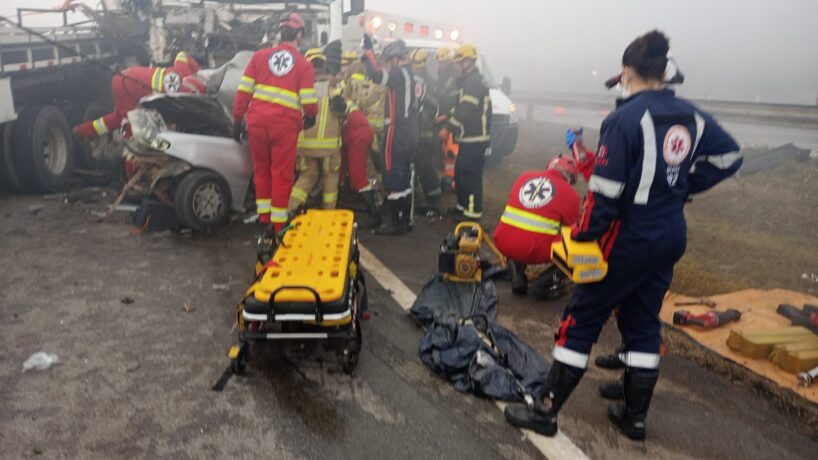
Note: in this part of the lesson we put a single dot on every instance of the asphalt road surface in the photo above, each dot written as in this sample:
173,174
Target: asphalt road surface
141,324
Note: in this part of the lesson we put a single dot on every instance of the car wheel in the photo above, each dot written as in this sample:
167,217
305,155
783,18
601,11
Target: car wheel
202,200
43,149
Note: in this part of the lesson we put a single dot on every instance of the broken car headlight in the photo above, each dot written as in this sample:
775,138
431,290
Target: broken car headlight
146,127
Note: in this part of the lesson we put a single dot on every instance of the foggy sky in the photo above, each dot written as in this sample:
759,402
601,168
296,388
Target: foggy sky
764,50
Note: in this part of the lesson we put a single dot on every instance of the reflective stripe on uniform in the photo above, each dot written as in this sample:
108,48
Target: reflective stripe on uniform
317,144
724,161
246,84
605,187
298,194
640,359
358,76
276,95
648,159
100,127
469,99
529,221
308,95
181,56
329,197
320,142
570,357
278,215
263,206
157,79
474,139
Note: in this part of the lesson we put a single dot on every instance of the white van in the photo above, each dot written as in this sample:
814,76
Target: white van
431,36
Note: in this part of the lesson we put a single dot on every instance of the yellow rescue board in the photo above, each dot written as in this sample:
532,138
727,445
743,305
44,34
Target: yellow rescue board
314,253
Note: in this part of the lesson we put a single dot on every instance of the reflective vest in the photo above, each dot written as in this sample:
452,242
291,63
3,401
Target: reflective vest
368,96
529,221
324,138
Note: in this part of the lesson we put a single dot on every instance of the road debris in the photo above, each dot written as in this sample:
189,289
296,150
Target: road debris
221,286
126,300
36,208
188,307
40,361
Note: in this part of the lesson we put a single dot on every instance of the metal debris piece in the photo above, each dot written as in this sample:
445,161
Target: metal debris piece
35,208
188,307
126,300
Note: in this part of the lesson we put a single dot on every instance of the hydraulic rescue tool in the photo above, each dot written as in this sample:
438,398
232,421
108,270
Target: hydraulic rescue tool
460,259
707,320
582,261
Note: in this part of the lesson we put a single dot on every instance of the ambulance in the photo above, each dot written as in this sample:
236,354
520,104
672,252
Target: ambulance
431,35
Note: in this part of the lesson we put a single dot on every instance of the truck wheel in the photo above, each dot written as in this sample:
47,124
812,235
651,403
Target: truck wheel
9,181
43,149
202,201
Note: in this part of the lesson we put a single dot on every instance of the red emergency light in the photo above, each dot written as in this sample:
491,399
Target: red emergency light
424,30
408,27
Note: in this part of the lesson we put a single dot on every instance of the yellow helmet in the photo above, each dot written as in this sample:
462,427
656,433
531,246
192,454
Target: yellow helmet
348,56
315,53
465,52
443,54
419,58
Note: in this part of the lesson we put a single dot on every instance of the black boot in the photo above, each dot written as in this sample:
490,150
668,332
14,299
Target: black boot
630,416
615,389
372,208
609,361
519,282
397,224
561,381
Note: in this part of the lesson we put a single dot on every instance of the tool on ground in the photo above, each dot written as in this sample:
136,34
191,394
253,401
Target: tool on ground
806,379
582,261
460,260
707,320
699,301
805,317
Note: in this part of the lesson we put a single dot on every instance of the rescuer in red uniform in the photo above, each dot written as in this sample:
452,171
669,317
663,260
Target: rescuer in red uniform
538,204
356,142
276,99
134,83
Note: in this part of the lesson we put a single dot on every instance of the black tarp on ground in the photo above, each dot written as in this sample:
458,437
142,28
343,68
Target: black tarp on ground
497,365
441,298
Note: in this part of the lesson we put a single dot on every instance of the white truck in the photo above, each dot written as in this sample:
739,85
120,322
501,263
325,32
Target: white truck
431,35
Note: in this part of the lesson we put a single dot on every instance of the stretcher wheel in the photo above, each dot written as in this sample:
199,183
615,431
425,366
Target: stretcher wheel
353,349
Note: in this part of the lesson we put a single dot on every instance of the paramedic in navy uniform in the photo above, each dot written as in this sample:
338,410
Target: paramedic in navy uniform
655,150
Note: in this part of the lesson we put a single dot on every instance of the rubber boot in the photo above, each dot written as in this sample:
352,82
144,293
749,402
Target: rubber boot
614,389
609,361
396,226
407,214
561,380
372,209
519,282
630,416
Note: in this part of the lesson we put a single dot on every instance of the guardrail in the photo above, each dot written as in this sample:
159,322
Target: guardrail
804,116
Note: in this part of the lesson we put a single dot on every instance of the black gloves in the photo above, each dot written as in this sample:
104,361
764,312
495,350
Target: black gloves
367,44
309,122
238,130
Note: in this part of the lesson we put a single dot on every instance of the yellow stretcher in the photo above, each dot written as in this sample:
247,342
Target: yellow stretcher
311,288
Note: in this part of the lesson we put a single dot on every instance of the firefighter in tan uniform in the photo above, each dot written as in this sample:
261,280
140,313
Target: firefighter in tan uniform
367,96
319,147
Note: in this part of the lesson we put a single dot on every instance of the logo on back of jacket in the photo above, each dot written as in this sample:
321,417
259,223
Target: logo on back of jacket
675,149
281,63
536,193
172,82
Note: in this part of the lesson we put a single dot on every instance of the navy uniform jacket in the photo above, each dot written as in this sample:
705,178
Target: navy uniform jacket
654,151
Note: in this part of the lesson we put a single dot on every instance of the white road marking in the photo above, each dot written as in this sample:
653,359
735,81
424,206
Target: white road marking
556,448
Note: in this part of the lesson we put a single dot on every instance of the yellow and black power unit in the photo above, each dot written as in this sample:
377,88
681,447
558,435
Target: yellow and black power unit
460,260
581,261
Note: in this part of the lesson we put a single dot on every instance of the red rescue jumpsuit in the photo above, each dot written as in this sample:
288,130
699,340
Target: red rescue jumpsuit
277,86
134,83
356,141
539,202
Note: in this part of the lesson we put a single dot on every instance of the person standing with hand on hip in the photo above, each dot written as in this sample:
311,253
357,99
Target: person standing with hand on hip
276,99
